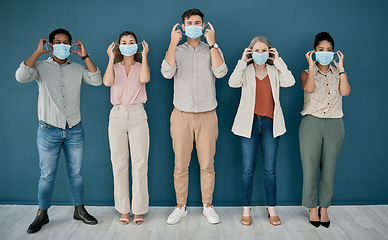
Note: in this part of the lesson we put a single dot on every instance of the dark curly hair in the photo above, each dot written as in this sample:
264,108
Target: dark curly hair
59,31
323,36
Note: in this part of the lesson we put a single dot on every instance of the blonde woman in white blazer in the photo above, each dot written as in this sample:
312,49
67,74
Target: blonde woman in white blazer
259,118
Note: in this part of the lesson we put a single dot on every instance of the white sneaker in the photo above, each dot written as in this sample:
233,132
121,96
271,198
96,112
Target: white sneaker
177,215
210,214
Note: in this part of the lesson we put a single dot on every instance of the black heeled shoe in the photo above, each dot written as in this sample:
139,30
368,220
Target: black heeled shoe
315,223
325,224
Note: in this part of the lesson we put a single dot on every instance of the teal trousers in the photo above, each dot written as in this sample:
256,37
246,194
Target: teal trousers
320,142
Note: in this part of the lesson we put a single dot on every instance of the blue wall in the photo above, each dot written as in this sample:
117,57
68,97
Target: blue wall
358,28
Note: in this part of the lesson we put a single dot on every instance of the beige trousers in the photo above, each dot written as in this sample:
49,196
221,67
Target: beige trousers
128,125
201,128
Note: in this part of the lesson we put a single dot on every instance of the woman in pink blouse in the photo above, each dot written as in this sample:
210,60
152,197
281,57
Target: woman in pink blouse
127,73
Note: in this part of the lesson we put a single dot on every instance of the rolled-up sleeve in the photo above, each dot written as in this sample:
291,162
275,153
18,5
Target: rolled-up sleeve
92,78
166,70
26,74
222,70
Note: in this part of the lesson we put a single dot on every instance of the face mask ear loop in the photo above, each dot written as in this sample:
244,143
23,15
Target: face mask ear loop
74,47
336,56
180,27
140,44
207,26
46,46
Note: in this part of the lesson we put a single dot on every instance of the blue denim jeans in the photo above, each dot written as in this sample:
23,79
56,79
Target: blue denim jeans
262,133
50,140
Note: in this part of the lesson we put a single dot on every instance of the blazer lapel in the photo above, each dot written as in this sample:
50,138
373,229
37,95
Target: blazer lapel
251,77
272,76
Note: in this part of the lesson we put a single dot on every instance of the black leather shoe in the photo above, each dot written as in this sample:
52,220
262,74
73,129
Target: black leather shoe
325,224
80,213
40,220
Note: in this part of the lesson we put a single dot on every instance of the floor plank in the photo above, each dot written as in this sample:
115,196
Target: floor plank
347,222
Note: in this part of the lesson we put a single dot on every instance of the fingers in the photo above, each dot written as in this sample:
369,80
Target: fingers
175,26
340,54
211,26
272,50
43,40
247,50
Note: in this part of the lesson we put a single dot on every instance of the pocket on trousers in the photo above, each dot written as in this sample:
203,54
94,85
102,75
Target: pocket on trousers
43,125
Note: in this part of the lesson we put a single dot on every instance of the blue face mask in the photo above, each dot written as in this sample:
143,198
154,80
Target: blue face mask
128,50
324,58
193,31
260,58
61,51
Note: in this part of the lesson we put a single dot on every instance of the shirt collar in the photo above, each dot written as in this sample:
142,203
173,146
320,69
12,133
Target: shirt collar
51,60
316,69
200,45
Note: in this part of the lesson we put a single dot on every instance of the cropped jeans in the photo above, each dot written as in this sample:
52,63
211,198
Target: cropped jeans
262,133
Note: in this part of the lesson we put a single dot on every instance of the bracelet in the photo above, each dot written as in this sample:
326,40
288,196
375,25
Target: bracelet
87,55
342,73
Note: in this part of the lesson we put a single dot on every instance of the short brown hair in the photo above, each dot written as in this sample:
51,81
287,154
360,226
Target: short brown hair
192,12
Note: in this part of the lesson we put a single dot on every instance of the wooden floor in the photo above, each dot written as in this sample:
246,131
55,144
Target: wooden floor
347,222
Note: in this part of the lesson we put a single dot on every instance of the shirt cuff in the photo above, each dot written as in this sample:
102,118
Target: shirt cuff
166,67
92,74
220,71
25,68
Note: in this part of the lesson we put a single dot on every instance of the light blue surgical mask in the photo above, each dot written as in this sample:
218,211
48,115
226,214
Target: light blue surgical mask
128,50
61,51
260,58
324,58
193,31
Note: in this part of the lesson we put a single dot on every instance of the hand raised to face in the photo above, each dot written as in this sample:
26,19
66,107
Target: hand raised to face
309,57
274,52
340,63
40,50
110,51
81,48
210,35
247,55
176,35
145,51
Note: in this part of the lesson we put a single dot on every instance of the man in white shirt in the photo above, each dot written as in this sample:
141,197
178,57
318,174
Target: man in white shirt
195,65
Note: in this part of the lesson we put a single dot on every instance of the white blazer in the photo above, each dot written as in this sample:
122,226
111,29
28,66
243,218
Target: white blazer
244,76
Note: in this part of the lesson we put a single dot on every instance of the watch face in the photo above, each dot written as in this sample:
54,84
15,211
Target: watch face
215,45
